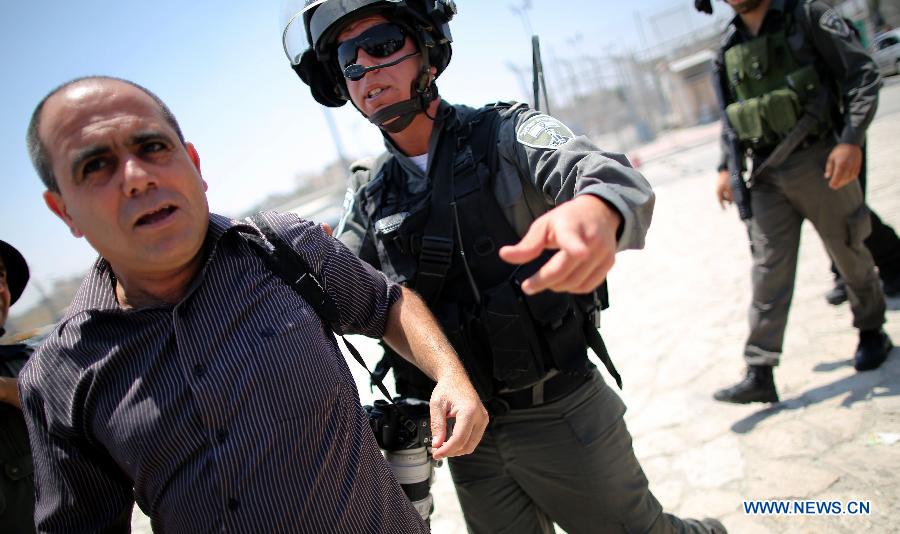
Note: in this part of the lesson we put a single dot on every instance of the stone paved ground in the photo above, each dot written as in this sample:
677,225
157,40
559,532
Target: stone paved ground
676,330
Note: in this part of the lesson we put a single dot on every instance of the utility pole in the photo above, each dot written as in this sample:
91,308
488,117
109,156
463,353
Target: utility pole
336,137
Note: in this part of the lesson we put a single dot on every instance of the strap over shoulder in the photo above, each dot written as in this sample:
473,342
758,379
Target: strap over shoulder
290,266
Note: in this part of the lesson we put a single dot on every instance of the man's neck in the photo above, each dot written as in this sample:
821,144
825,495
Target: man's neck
413,140
753,19
144,290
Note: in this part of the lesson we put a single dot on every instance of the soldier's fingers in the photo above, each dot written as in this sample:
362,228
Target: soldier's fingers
829,165
592,279
553,275
840,181
530,246
327,229
842,174
724,197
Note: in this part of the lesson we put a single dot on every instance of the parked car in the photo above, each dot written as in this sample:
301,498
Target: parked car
886,52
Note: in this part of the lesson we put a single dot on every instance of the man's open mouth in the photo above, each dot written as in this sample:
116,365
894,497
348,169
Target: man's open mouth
155,216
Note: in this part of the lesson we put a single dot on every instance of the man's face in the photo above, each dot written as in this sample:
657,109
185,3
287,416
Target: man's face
746,6
126,182
4,294
381,87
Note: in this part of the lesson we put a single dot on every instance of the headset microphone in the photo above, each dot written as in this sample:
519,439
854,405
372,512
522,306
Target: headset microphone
356,71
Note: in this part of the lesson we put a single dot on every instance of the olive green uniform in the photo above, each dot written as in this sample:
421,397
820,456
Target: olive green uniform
804,34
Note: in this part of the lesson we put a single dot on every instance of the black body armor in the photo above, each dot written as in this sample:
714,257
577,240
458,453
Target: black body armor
444,243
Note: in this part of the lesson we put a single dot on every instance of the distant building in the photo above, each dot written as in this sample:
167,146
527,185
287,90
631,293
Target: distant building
691,84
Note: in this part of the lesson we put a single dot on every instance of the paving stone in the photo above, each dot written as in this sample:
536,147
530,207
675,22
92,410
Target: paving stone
710,503
781,479
712,464
788,440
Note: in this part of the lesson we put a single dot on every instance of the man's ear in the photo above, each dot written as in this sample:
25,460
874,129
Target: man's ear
195,159
57,205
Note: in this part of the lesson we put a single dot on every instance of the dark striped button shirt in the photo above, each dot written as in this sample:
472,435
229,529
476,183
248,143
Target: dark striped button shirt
231,411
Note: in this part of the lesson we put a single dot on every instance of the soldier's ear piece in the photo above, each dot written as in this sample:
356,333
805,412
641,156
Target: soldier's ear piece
704,6
321,85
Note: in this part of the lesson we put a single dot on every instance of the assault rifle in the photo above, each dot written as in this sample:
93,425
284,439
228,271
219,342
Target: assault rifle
734,155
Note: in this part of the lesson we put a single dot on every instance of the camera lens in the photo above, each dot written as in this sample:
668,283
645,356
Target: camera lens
413,470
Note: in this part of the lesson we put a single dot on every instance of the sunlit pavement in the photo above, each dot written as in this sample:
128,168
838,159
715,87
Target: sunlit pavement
676,330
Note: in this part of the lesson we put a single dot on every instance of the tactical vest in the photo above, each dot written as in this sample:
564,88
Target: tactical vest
505,339
769,87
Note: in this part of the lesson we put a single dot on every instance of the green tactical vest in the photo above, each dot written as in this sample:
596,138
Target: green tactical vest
769,87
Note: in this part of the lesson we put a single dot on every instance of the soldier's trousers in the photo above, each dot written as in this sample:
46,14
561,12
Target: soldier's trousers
570,462
782,198
883,243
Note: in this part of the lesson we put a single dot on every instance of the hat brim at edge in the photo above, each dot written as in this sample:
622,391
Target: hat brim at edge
16,270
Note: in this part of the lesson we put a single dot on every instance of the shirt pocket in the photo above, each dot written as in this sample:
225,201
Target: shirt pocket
298,361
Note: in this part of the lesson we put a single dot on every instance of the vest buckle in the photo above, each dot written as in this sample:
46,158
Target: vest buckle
436,252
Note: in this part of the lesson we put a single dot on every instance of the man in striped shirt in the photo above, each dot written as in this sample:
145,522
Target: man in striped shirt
186,375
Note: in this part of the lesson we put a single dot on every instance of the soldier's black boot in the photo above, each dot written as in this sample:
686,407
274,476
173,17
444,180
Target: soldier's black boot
837,294
757,386
873,349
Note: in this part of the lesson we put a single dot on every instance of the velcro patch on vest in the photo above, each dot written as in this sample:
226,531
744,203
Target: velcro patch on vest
390,223
834,23
543,131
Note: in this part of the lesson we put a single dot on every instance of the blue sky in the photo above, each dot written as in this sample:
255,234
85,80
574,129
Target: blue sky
220,66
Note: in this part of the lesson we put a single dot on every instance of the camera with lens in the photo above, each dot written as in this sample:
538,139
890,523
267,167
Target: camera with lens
403,430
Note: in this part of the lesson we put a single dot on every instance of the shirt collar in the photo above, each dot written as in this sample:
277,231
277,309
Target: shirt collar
98,289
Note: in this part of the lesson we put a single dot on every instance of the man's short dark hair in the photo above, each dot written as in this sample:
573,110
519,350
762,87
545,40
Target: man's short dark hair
38,152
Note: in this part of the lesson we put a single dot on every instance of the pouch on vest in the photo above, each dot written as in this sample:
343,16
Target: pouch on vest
780,110
746,120
562,327
747,66
398,260
517,355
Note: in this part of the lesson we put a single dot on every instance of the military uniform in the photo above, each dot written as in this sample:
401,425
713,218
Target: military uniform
765,80
557,449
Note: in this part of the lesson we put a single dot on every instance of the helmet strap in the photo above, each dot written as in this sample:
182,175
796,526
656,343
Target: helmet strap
396,117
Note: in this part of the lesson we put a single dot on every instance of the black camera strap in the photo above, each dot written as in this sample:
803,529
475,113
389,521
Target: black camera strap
290,266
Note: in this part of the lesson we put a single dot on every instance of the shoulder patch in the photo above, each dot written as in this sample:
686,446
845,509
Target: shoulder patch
834,23
543,131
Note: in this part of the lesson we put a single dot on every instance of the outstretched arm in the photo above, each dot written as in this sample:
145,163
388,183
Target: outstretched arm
413,332
585,203
583,230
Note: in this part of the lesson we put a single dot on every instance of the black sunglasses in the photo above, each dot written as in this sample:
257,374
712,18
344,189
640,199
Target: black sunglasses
378,41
